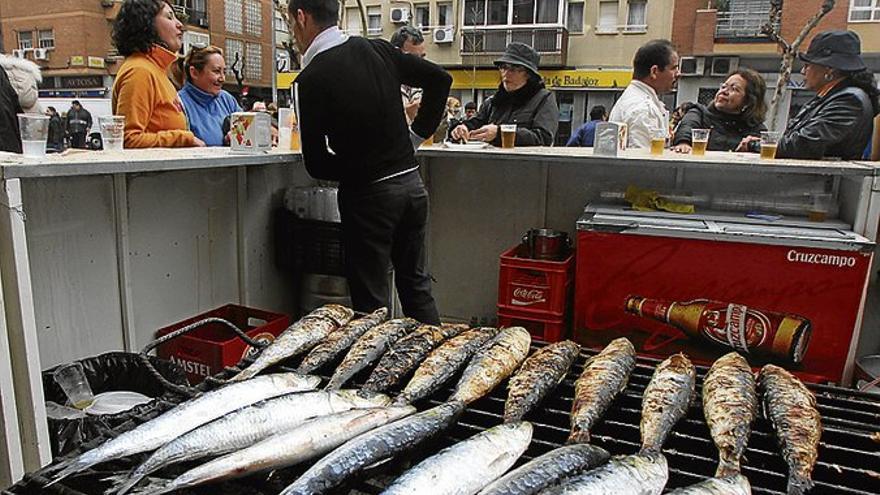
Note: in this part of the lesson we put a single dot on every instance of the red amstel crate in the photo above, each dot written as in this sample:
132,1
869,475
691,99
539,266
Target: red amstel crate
536,288
207,350
540,329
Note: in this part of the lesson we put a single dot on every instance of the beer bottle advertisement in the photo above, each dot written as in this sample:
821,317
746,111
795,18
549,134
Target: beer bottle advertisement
791,305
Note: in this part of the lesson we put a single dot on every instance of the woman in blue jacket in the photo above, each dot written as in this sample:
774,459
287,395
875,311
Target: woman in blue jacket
205,101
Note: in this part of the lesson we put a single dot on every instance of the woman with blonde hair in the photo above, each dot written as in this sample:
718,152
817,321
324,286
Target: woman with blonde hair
206,103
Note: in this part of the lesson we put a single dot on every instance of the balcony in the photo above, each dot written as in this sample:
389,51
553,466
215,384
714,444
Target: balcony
197,18
743,21
481,45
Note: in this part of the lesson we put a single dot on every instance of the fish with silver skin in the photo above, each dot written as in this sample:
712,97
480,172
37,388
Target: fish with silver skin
546,470
443,363
406,354
372,447
249,425
605,375
298,338
730,405
188,416
736,484
539,374
492,364
791,409
467,466
339,340
369,348
307,441
640,474
666,400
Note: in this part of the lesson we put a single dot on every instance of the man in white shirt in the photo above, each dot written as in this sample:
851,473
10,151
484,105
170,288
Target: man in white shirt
655,72
409,40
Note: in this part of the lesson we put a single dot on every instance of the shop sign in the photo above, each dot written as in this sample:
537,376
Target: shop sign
77,61
77,82
96,62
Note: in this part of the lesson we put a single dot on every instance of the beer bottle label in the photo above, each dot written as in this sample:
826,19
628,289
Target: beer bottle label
736,326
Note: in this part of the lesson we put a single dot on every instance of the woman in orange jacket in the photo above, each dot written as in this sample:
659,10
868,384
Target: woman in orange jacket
149,35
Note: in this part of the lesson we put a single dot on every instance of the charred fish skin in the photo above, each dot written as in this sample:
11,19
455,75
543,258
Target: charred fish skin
443,363
548,469
666,400
605,375
492,364
188,416
406,354
640,474
370,347
736,484
467,466
729,404
249,425
339,340
298,338
791,409
311,439
539,374
371,447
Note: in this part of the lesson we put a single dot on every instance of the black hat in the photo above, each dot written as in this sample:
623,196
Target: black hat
836,49
520,54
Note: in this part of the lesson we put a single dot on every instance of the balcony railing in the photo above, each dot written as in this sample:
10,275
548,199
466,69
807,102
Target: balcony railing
741,24
492,40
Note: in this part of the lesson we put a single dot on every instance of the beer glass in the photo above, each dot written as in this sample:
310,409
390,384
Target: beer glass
34,133
112,131
820,205
769,140
658,140
429,141
72,380
508,135
699,141
288,132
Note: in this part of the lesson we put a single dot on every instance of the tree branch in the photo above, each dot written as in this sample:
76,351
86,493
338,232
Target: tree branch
823,11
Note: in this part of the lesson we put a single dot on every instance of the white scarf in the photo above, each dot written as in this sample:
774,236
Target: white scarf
326,39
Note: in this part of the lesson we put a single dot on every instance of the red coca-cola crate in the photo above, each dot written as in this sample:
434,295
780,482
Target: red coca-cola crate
534,288
208,349
551,330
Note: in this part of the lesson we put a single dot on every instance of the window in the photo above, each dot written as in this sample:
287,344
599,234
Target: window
352,21
636,20
25,40
232,14
374,20
47,38
548,11
191,38
253,61
253,18
474,13
511,12
523,11
496,11
444,14
575,18
422,18
233,47
864,10
280,24
705,96
607,17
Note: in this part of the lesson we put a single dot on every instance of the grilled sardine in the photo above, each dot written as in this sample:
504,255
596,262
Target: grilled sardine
369,348
548,469
642,474
729,404
339,340
666,400
492,364
736,484
538,375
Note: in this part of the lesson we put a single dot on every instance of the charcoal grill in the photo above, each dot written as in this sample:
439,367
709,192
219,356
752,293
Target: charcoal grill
849,460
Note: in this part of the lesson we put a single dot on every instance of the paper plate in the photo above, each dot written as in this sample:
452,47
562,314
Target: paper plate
470,145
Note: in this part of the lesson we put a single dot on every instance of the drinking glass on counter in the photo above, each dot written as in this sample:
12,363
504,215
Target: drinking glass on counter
72,379
820,207
658,140
34,133
288,131
699,141
508,135
769,140
112,131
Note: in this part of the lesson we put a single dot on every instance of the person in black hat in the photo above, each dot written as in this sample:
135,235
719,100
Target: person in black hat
521,99
837,122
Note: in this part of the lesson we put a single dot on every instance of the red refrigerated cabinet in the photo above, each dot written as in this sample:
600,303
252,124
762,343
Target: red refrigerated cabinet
786,292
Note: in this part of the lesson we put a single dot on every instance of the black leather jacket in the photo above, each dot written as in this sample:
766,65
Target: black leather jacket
727,130
532,108
838,125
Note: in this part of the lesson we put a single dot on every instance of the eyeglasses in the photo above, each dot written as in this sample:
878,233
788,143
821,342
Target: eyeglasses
731,87
511,67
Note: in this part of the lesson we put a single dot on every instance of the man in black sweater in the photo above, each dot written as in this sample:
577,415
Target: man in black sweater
353,131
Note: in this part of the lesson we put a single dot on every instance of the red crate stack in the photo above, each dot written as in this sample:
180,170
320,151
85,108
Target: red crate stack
535,294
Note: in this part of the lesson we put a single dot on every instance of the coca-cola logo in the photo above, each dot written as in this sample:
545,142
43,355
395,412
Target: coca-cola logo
527,297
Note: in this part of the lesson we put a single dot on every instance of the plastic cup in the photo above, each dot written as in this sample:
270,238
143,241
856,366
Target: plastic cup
658,140
72,380
699,141
820,207
288,132
769,141
112,131
508,135
34,133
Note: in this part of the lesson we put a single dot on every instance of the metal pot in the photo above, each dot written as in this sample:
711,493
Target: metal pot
546,244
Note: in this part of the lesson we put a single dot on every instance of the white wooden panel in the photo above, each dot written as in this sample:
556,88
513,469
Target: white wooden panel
11,463
182,242
71,243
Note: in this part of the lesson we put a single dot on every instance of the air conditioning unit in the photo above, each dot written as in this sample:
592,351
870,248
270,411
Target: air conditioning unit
443,35
399,15
41,54
722,66
692,66
19,53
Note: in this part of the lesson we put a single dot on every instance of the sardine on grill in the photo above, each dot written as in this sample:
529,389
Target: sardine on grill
370,347
492,364
339,340
666,400
537,376
730,405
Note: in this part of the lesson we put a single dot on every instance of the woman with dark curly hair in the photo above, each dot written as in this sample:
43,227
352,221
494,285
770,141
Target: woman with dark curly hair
149,35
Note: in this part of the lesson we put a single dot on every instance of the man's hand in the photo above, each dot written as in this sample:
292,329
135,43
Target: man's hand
412,109
746,141
460,133
682,148
486,133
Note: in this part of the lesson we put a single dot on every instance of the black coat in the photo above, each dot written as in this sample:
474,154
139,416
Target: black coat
838,125
727,130
56,132
532,108
10,138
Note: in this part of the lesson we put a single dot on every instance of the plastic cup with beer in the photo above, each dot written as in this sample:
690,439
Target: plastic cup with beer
769,141
112,131
72,380
429,141
658,140
820,206
34,133
508,135
699,141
